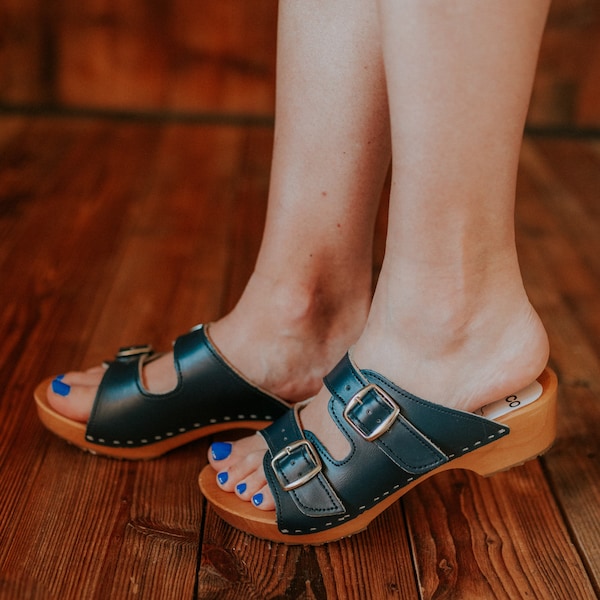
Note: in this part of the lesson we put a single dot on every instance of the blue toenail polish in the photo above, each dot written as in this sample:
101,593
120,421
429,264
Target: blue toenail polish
240,488
257,499
60,388
59,377
220,450
222,477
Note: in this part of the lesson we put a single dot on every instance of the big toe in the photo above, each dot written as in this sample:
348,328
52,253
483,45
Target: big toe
72,395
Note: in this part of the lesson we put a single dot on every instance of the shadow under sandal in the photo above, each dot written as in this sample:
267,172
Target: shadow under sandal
397,440
129,422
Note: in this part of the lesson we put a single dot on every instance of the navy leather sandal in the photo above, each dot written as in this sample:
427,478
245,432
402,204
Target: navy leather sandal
129,422
397,440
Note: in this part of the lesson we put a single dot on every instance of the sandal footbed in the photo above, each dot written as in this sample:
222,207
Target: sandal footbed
532,432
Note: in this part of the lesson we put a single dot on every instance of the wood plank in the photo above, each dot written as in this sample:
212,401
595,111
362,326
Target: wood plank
154,552
559,215
457,539
9,129
574,473
376,563
181,227
561,282
372,564
50,506
70,257
500,537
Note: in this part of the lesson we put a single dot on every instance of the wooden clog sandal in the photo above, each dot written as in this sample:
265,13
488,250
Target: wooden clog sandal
129,422
397,440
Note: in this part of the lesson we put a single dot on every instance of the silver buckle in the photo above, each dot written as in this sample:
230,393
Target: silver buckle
385,424
130,351
287,451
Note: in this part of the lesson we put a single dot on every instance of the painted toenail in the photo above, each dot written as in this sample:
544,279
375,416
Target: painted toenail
257,499
60,377
60,388
222,477
240,488
220,450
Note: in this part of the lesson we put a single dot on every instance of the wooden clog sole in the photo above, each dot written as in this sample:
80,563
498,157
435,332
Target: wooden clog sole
532,432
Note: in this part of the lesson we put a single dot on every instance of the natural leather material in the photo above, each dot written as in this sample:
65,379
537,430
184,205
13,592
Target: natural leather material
386,453
208,392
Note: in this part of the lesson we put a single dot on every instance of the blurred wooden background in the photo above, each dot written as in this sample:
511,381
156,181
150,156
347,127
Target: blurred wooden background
188,58
95,211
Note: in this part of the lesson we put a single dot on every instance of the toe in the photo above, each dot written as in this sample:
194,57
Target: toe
91,377
219,451
72,399
263,500
224,455
251,485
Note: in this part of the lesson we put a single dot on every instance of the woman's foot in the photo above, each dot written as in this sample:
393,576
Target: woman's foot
490,355
282,340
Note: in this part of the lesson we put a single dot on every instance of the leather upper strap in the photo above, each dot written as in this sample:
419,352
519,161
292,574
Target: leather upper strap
297,467
208,391
394,436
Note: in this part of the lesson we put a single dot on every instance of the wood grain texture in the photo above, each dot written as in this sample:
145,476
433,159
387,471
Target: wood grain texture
501,537
374,564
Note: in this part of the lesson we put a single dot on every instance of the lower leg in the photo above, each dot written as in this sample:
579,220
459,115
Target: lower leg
330,158
308,297
450,320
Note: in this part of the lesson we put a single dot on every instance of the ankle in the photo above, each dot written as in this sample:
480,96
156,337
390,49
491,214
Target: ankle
295,332
316,305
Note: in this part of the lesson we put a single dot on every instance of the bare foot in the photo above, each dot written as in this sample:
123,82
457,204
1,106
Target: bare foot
504,354
282,341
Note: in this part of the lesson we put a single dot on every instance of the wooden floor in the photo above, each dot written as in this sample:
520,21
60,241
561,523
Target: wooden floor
113,232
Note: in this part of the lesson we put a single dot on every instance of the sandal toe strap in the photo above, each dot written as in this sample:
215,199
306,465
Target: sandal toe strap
209,392
295,465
